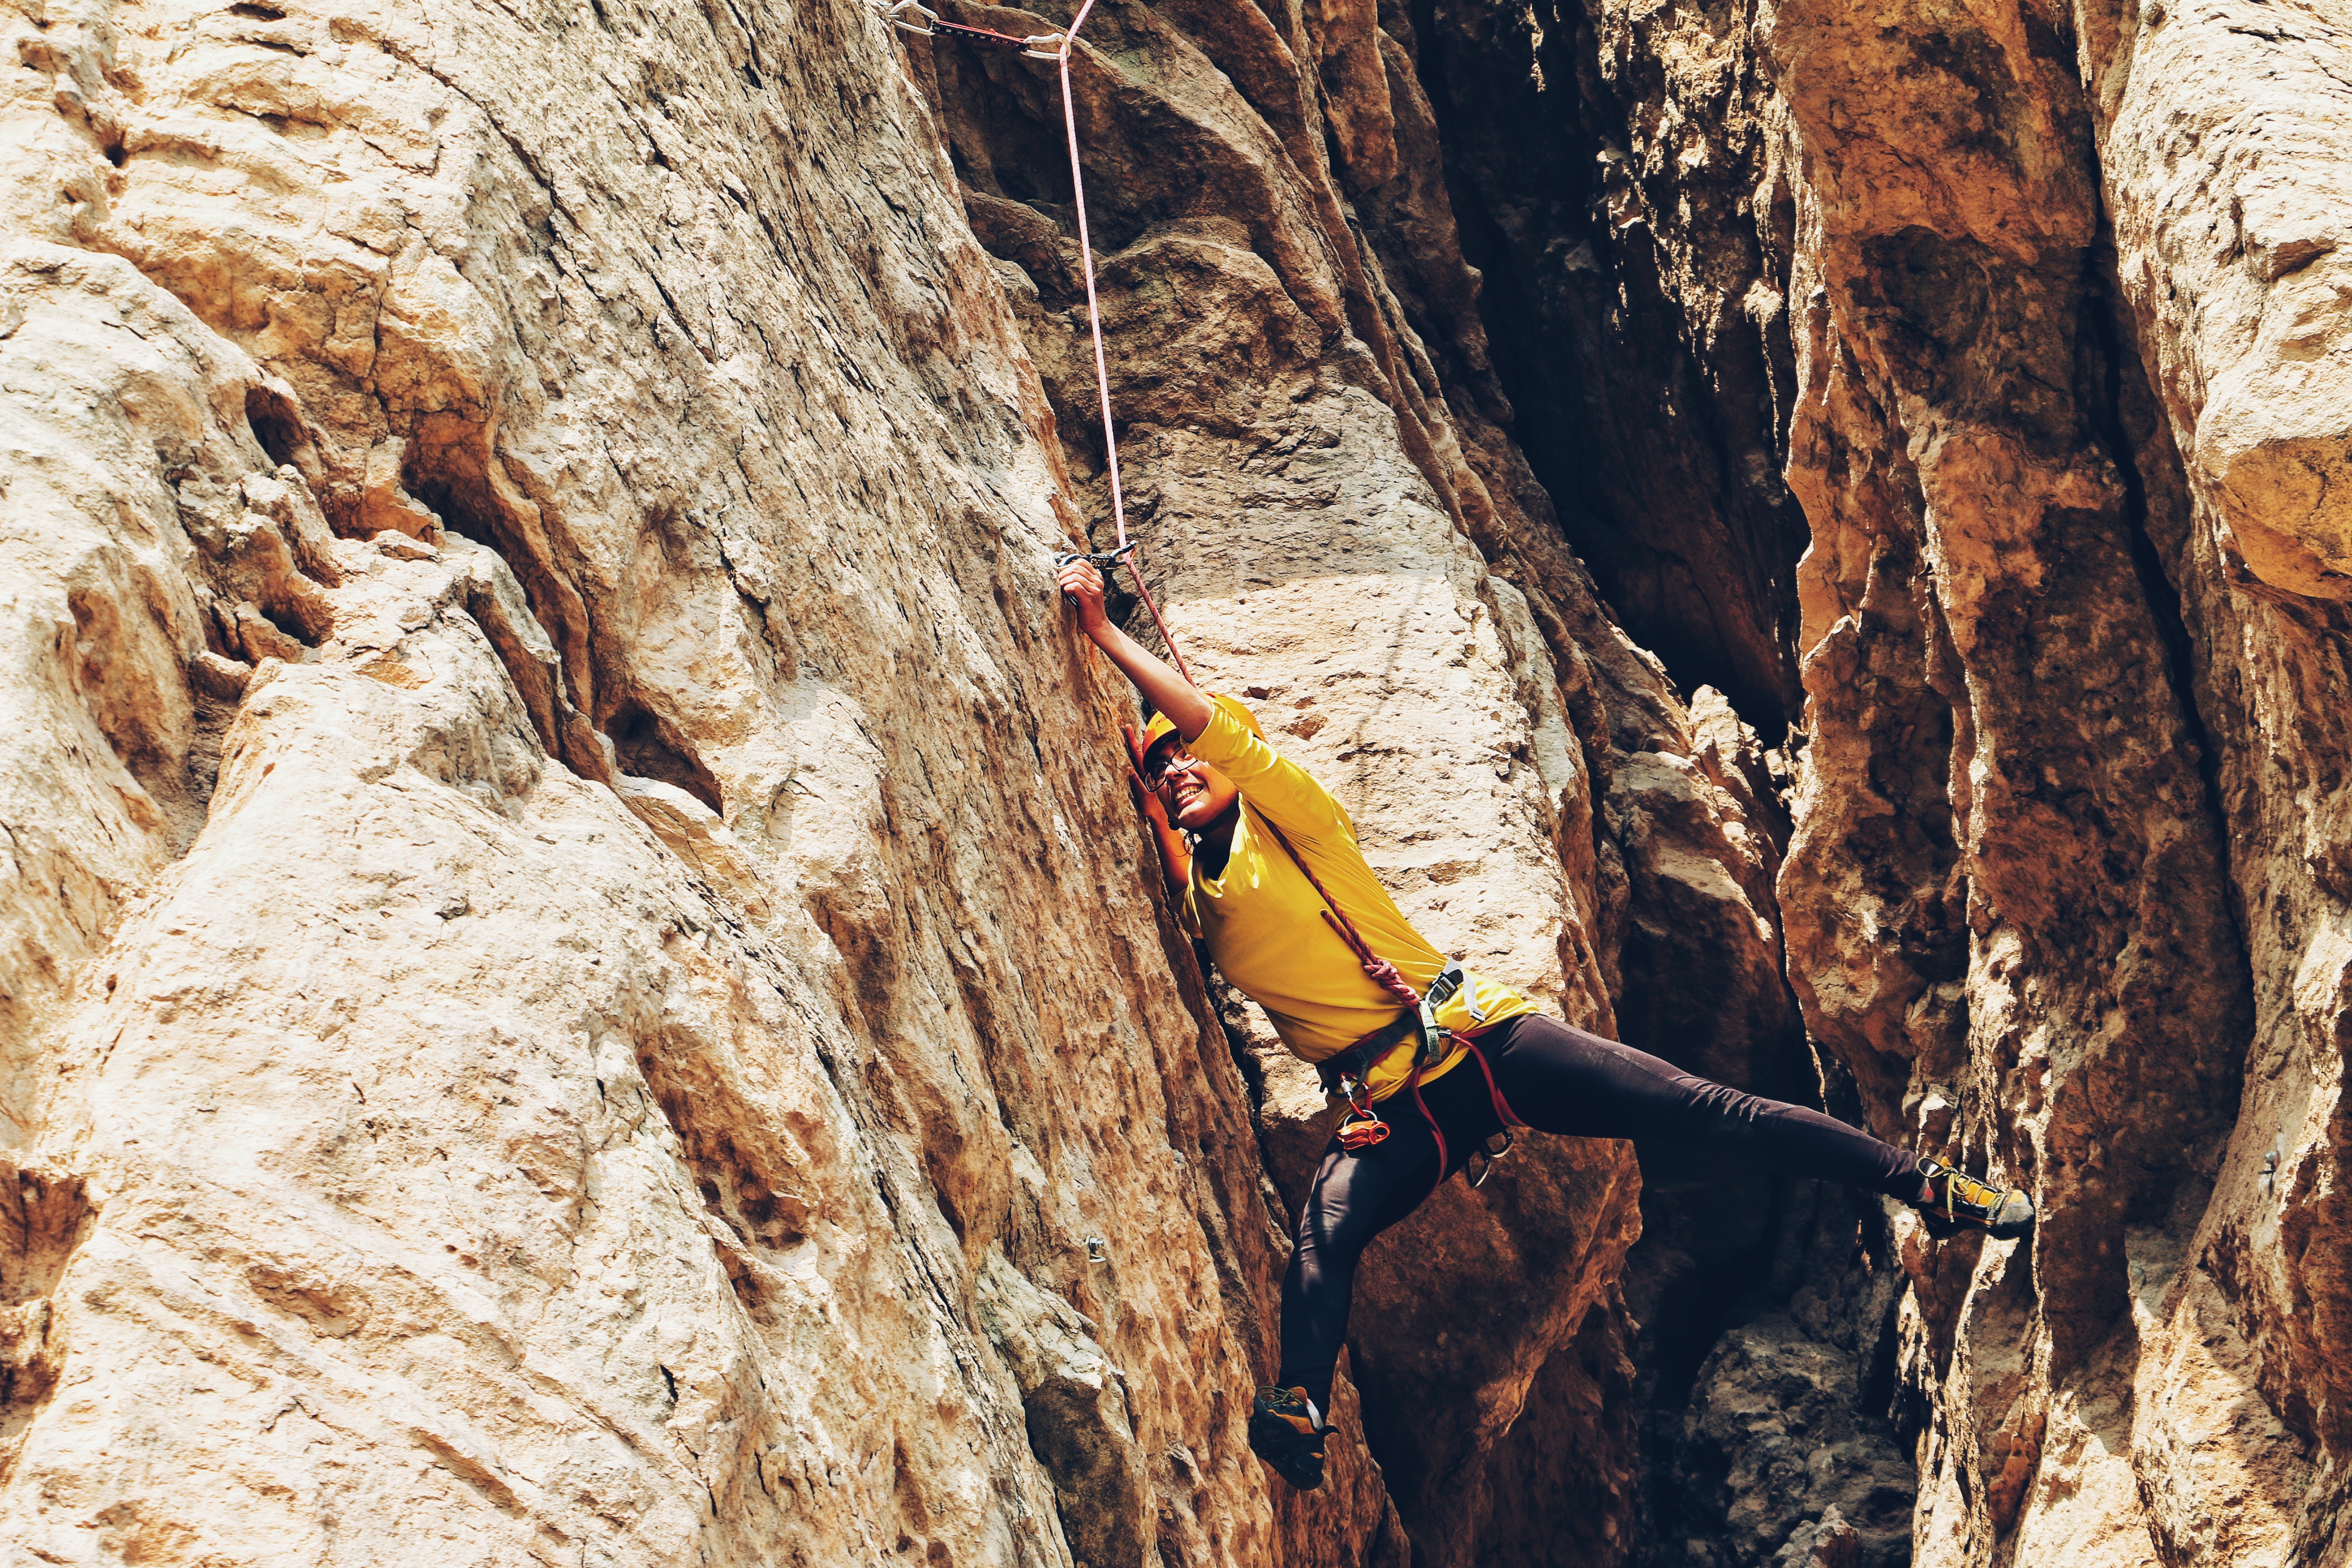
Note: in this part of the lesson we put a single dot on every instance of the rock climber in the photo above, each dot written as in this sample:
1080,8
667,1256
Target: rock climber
1264,865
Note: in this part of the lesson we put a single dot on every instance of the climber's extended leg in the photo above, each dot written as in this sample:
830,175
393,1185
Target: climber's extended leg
1557,1079
1562,1080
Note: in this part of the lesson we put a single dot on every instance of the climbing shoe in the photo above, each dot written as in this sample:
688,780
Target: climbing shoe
1282,1432
1957,1202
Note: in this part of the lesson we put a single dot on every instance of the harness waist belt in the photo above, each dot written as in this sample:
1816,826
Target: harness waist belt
1413,1023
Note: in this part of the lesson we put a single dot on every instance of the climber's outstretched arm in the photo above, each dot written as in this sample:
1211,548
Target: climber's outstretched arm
1165,689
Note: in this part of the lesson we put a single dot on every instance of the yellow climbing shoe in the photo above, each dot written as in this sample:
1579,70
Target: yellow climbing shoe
1959,1201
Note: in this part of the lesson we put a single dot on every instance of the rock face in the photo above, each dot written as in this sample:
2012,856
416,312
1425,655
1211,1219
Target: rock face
558,1008
2044,298
540,894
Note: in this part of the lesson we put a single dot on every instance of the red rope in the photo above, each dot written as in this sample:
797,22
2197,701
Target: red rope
1382,972
1165,635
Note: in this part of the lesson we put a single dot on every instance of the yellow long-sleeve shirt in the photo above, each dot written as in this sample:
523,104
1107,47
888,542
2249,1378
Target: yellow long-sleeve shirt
1262,920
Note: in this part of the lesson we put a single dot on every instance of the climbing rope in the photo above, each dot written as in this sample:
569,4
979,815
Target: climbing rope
914,18
1094,326
1379,970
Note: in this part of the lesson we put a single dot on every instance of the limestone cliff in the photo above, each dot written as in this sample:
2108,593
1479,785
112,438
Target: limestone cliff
580,982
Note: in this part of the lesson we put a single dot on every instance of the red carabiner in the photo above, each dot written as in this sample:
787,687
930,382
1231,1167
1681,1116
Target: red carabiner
1363,1127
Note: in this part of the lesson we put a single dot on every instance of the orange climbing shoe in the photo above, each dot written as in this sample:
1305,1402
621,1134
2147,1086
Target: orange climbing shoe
1282,1432
1960,1201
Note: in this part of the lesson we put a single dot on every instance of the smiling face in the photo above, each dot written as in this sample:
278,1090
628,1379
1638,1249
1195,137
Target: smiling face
1195,794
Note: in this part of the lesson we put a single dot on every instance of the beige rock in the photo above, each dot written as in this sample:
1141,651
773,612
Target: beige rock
583,985
2220,145
431,1149
580,983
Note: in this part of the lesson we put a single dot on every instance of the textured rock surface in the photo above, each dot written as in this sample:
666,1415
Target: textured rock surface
1783,1422
580,987
1310,456
578,984
442,1133
2065,886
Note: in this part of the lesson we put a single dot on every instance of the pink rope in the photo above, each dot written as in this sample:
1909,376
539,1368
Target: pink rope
1093,325
1384,973
1087,256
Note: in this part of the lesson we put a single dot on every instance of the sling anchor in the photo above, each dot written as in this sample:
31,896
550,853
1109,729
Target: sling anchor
914,17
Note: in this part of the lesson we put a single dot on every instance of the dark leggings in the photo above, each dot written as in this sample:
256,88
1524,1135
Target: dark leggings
1556,1079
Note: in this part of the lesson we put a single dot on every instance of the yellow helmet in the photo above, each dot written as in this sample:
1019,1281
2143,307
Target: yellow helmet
1162,726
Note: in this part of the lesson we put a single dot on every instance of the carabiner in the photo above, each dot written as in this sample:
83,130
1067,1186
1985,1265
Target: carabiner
931,25
1362,1127
1510,1140
1103,560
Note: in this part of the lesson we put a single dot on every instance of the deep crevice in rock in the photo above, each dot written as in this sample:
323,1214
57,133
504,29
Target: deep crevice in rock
650,747
1662,459
446,470
275,424
451,477
2114,358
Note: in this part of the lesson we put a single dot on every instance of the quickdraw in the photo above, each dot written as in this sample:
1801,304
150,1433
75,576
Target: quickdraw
1103,560
1504,1113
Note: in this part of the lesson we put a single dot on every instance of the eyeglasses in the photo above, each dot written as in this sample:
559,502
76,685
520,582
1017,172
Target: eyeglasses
1174,760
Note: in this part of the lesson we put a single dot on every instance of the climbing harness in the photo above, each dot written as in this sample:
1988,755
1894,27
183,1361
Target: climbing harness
1346,1073
1056,46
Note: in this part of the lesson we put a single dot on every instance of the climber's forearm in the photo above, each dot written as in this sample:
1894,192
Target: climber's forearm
1162,687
